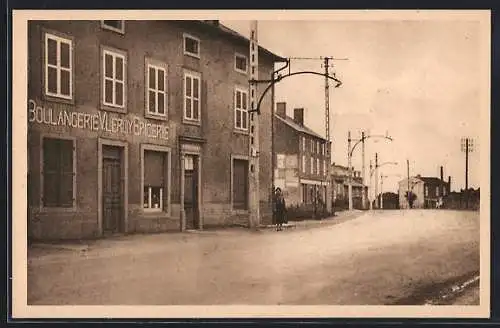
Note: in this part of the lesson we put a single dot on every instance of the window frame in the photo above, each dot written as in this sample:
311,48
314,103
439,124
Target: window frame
167,151
304,143
156,65
185,51
58,37
236,55
193,75
242,90
241,158
304,163
123,55
112,28
311,170
42,207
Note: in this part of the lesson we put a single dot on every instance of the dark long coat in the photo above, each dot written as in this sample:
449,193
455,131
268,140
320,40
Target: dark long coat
280,209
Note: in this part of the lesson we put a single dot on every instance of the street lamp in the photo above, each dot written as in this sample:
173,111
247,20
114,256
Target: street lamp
350,150
373,170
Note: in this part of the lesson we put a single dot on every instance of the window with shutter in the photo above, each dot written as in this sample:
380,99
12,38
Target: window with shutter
58,173
58,66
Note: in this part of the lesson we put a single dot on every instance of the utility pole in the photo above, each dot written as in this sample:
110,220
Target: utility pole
349,188
327,136
467,147
253,175
370,188
408,176
376,178
363,192
381,191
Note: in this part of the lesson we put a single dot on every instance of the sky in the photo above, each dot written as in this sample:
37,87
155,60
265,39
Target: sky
417,80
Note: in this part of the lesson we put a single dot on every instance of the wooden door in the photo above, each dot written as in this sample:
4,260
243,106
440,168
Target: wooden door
112,190
191,194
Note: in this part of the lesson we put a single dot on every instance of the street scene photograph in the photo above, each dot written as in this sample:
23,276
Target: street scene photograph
272,160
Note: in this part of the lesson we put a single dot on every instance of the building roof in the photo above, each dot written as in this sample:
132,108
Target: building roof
301,128
226,31
431,180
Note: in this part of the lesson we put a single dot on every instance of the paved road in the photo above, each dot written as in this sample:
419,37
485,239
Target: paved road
391,257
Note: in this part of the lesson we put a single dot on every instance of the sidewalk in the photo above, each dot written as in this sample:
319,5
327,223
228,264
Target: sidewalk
82,247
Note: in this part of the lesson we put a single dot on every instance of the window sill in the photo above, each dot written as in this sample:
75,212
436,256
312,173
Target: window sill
44,209
56,99
241,72
192,55
240,131
156,116
151,214
110,108
191,122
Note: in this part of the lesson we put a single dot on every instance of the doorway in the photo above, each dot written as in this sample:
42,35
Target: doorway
191,183
112,190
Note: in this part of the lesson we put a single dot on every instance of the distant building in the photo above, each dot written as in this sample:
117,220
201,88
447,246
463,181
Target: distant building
340,179
301,158
430,192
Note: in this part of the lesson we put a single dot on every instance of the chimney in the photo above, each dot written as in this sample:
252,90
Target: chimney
449,184
281,109
441,174
298,116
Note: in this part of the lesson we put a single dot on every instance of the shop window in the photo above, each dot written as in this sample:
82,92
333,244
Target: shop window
241,109
114,25
240,63
114,79
156,93
240,184
191,46
58,67
192,86
155,180
58,173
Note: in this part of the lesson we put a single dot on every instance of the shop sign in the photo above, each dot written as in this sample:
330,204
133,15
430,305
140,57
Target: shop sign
100,121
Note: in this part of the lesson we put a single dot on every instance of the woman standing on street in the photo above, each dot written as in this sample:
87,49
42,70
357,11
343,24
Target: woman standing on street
279,209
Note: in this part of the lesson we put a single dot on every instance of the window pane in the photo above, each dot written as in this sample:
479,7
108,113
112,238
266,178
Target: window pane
191,45
152,101
65,55
238,119
161,79
188,86
244,101
161,103
114,23
152,78
119,93
155,197
65,82
108,91
244,120
52,79
119,68
52,52
196,86
146,197
50,189
238,99
154,168
188,108
196,107
108,65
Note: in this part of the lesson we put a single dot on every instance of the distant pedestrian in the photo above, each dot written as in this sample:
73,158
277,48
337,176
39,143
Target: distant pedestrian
279,209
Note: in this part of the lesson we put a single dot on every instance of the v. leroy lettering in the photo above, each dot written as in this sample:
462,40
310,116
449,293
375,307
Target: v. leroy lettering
95,122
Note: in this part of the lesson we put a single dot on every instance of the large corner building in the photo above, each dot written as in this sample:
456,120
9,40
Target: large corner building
141,126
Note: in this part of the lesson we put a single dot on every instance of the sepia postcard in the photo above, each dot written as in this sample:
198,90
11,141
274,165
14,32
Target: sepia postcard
251,164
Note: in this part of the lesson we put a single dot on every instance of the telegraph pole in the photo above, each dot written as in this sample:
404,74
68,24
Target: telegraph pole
363,193
370,189
327,136
254,194
381,191
408,176
349,188
376,179
467,147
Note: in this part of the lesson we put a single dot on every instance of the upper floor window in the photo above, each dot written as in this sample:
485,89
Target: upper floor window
303,143
114,78
58,66
191,46
426,191
317,147
303,163
240,63
444,191
317,166
156,93
312,146
114,25
192,86
241,109
324,168
437,191
312,165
